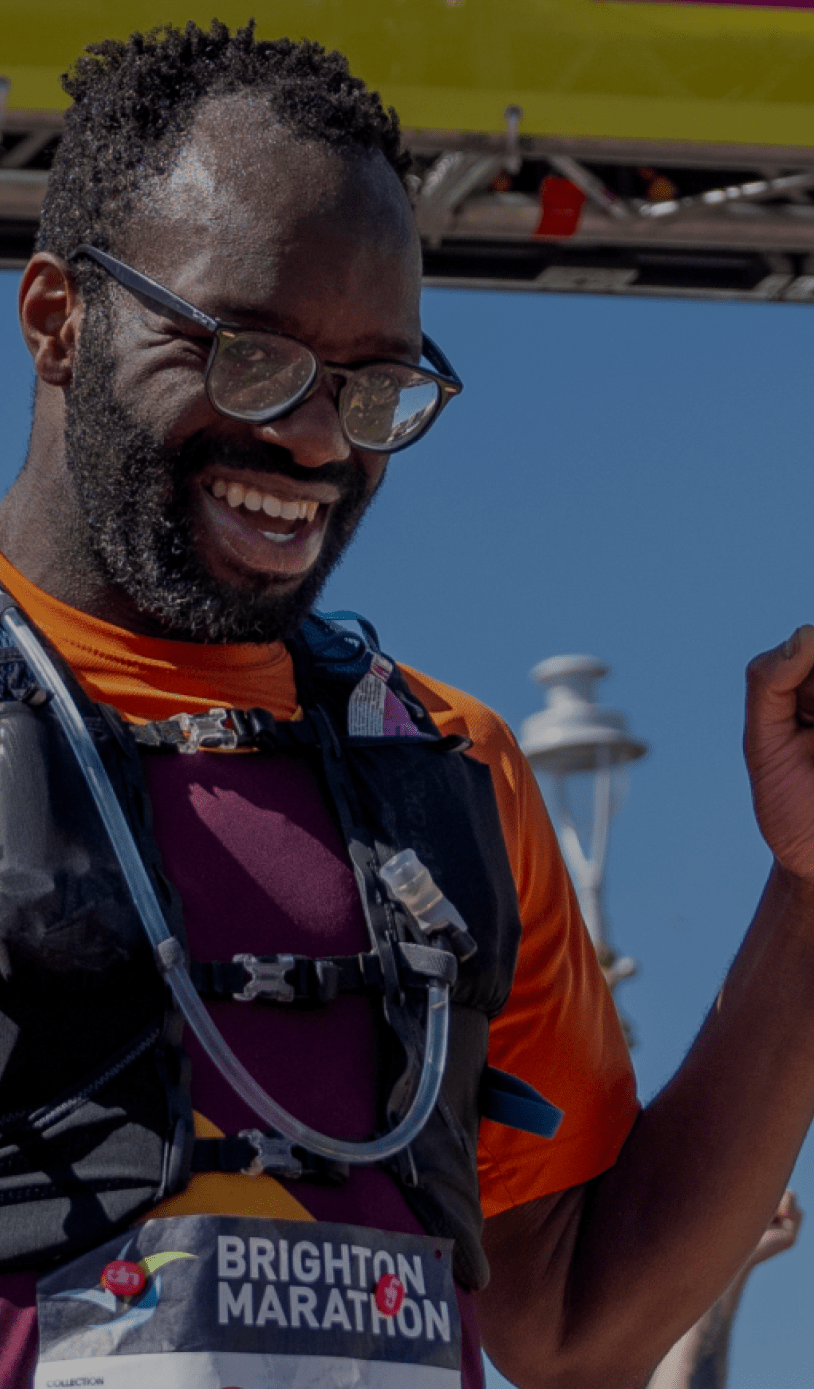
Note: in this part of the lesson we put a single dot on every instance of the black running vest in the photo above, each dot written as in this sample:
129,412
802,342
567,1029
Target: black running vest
95,1115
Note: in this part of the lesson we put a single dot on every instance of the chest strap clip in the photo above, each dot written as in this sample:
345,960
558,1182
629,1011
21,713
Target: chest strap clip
267,978
272,1156
309,983
190,732
280,1157
205,731
252,1153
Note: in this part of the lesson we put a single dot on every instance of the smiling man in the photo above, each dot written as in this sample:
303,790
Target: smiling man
301,257
223,312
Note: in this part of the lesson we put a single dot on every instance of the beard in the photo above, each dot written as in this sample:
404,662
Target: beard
135,526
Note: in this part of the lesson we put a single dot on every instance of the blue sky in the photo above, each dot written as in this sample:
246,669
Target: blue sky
631,479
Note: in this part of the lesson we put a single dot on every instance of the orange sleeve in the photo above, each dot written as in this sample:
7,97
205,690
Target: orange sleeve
559,1030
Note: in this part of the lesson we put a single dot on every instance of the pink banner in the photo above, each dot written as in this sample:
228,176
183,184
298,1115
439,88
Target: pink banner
760,4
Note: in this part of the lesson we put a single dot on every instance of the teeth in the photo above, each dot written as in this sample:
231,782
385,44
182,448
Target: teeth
255,500
277,537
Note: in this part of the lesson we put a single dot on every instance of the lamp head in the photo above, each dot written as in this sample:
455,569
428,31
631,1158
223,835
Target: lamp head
575,733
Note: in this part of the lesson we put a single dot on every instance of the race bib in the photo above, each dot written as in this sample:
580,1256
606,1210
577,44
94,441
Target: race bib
227,1302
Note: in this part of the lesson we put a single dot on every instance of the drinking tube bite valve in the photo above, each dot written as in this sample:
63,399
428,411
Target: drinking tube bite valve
411,884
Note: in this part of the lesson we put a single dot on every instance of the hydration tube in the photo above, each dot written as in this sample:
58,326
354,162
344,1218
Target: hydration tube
170,960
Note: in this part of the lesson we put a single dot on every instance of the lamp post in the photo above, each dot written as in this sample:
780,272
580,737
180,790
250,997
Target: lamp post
573,740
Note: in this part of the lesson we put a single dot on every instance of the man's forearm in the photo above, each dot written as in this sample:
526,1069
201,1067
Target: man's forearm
593,1290
700,1359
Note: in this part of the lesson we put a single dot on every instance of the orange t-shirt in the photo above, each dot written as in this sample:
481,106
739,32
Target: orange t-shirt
559,1030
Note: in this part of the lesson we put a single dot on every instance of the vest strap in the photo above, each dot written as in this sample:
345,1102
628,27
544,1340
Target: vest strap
505,1099
306,982
223,728
253,1153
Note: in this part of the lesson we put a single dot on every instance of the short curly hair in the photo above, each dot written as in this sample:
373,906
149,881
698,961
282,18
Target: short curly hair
134,102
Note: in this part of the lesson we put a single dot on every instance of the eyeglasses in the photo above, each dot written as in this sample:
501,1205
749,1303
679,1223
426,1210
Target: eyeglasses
258,376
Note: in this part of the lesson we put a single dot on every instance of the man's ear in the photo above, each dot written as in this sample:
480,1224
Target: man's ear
50,315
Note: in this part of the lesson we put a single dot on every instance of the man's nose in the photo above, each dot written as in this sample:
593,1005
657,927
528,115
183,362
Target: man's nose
311,433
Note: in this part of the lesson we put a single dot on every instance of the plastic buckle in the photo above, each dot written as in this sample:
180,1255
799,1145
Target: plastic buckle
205,730
266,978
272,1155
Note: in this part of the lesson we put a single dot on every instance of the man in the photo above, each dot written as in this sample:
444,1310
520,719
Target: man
205,441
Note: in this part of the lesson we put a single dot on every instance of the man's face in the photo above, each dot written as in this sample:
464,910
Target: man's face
218,529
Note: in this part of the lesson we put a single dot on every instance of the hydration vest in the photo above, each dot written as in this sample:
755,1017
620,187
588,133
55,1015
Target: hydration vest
96,1122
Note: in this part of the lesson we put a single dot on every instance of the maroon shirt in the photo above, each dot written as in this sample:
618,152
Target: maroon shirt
261,868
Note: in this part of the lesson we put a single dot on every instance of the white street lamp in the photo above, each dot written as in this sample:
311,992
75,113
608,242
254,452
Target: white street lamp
573,739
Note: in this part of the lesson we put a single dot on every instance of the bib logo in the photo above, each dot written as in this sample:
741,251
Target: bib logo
135,1288
340,1289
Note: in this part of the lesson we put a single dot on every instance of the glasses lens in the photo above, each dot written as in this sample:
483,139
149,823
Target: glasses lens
387,405
258,375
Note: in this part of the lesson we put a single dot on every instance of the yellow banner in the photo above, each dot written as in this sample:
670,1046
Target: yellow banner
620,68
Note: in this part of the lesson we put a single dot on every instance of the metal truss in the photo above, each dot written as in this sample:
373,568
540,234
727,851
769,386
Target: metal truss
660,217
29,142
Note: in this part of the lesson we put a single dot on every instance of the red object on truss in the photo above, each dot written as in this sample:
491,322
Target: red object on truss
562,203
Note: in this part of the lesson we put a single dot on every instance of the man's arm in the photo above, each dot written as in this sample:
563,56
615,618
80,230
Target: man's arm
700,1360
591,1287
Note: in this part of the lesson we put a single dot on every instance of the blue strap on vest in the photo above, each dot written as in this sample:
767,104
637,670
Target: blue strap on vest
506,1100
348,615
